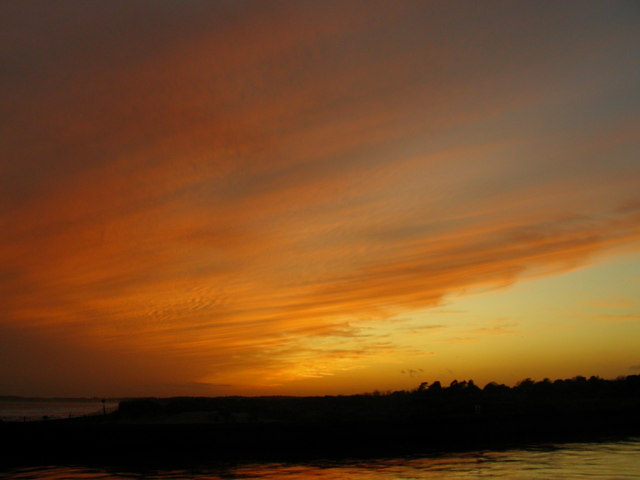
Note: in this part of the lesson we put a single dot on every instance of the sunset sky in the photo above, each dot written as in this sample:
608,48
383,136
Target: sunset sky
316,197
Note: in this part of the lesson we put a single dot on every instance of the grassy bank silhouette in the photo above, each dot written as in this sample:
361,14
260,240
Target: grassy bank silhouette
429,418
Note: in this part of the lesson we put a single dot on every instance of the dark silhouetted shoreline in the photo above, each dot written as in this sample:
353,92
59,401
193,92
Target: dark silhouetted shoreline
431,418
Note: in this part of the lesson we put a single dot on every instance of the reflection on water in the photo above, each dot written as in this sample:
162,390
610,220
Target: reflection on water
594,461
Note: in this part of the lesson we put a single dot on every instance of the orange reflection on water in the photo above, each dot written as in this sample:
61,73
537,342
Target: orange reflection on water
595,461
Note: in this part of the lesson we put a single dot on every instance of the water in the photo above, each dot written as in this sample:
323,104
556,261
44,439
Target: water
36,409
594,461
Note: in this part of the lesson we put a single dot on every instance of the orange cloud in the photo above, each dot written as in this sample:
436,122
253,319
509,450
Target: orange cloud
224,193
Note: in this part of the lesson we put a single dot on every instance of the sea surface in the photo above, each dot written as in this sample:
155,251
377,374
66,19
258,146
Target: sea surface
594,461
36,409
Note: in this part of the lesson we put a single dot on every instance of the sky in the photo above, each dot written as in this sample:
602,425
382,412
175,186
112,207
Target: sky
316,197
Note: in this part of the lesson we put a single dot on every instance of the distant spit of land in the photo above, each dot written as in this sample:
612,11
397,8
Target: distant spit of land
430,418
